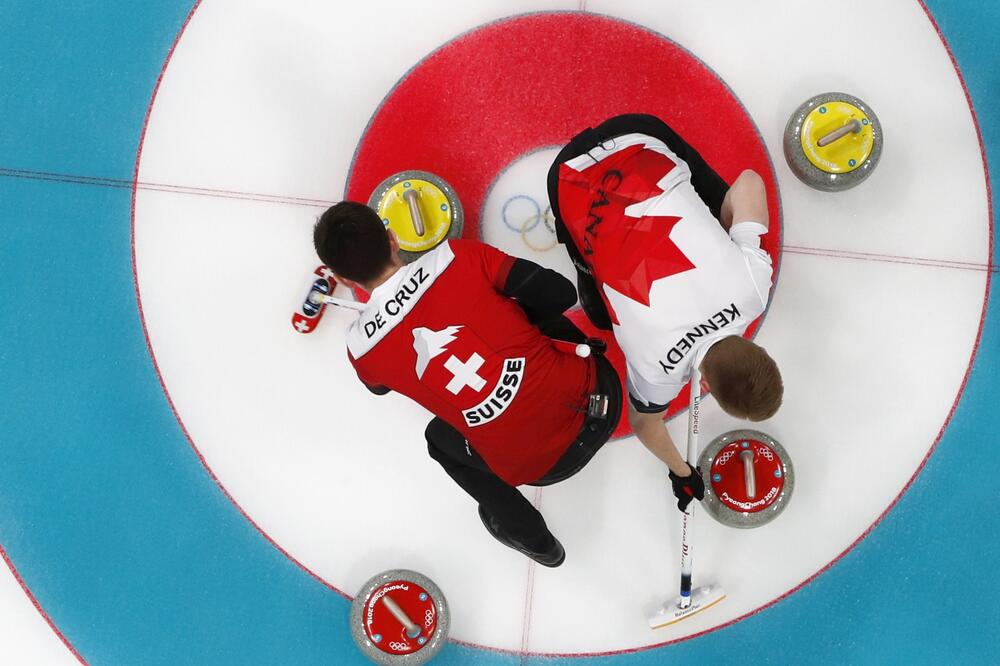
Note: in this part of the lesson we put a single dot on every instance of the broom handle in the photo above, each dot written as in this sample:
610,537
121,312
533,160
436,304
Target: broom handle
693,415
692,455
322,299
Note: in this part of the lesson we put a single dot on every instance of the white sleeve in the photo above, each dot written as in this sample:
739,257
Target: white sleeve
656,396
747,235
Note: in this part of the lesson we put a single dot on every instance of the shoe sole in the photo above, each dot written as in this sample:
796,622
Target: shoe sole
525,552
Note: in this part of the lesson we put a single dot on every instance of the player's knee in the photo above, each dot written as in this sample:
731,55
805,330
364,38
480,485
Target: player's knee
432,433
750,181
744,379
748,197
442,439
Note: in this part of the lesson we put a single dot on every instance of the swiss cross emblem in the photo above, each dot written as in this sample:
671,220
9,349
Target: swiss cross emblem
454,360
459,366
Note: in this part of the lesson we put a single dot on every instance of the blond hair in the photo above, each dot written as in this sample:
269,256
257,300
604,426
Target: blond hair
743,378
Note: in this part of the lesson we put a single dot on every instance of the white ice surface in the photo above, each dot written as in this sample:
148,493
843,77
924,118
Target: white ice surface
873,353
25,636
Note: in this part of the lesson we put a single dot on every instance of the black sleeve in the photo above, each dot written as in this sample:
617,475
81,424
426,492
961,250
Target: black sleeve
542,293
646,409
591,301
377,389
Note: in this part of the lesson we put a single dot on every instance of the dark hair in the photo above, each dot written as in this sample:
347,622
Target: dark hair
743,378
351,239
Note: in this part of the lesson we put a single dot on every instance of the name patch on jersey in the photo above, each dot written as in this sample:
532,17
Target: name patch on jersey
500,397
394,306
390,303
720,319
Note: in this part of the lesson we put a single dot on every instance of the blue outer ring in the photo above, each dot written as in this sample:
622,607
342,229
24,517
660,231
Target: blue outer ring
136,554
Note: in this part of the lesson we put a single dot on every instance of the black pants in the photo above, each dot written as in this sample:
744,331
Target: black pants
514,513
707,183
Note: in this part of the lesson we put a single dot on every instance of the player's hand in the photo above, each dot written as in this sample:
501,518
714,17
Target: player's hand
687,488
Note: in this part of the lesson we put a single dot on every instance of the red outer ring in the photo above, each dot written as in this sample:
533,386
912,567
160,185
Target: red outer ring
476,104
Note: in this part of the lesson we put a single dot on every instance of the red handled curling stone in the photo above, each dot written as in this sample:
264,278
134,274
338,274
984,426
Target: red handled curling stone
748,478
400,617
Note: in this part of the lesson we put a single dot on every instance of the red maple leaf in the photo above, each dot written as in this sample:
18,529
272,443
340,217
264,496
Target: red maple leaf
626,253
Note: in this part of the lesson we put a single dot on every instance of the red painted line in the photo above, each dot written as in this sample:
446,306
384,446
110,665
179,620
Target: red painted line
877,256
892,259
116,183
529,592
38,607
243,196
320,203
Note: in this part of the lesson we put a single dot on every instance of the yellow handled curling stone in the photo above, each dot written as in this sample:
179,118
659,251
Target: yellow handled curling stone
833,142
420,208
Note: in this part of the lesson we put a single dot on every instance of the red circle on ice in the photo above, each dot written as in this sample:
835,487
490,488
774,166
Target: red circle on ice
385,630
476,104
729,480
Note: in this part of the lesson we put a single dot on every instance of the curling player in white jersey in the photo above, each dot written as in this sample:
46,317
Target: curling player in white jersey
668,257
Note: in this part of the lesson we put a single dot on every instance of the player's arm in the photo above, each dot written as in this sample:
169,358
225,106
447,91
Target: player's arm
687,483
746,201
544,295
541,292
652,432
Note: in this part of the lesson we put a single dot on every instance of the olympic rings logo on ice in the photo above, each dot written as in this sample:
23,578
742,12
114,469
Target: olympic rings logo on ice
529,223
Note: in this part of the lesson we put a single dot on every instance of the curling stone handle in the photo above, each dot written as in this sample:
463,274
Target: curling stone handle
412,630
318,299
852,127
411,196
748,473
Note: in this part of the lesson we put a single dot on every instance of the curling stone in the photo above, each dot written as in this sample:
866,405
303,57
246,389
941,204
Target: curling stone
748,478
400,617
420,208
308,315
833,142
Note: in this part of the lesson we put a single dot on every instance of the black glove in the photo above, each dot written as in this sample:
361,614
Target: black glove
687,488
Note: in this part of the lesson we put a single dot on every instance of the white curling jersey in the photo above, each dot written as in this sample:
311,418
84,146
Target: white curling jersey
674,281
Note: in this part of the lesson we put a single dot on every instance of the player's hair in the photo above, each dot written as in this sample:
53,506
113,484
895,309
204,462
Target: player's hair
743,378
351,239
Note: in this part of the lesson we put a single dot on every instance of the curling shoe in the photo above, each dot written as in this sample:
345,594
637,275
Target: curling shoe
552,557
